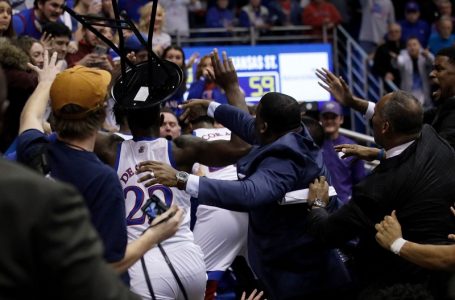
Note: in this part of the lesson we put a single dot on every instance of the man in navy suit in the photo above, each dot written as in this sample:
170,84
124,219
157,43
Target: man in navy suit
290,264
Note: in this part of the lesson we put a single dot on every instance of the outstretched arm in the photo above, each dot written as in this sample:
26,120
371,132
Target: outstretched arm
226,77
361,152
33,111
190,149
436,257
340,90
273,177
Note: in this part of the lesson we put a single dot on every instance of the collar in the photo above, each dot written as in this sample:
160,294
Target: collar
397,150
143,138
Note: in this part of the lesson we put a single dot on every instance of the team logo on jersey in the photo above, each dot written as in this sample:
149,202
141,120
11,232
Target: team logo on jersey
141,149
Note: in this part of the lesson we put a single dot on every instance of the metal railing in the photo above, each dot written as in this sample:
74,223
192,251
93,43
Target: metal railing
352,62
365,139
362,139
253,36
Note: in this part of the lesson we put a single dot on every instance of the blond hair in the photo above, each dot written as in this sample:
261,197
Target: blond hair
144,12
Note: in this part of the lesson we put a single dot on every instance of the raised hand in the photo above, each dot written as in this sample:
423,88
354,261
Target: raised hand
50,67
132,56
46,40
225,74
253,295
73,47
226,77
335,86
192,59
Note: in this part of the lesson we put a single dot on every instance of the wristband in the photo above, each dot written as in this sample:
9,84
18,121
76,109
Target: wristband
397,245
381,155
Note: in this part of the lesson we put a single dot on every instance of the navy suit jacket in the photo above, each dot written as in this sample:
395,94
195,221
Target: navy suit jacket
290,263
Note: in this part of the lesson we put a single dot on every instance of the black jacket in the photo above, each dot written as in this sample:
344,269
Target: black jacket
442,118
49,249
419,185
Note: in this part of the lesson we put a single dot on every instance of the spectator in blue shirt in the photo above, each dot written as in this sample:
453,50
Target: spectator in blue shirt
413,26
31,21
220,16
444,37
255,15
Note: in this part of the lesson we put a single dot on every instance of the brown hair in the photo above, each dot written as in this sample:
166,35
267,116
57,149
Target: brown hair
25,43
199,66
78,128
9,32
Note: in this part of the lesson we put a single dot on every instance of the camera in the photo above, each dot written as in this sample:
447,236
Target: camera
100,50
154,207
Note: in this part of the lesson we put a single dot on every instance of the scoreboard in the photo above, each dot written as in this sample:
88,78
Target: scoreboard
285,68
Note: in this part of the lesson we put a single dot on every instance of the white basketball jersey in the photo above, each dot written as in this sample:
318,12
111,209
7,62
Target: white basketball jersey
136,194
224,173
222,234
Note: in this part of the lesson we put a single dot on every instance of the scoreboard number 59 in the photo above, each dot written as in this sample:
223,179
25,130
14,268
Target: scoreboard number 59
261,85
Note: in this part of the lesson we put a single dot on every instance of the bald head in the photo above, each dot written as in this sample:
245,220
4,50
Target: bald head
404,112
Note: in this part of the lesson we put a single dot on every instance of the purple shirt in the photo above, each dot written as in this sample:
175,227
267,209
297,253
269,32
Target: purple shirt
344,173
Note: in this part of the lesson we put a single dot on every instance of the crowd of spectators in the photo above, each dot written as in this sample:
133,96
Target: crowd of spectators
403,39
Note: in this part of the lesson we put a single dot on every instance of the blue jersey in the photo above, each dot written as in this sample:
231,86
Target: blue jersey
25,23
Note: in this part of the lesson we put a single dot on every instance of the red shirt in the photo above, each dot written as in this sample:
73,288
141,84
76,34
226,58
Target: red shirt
315,14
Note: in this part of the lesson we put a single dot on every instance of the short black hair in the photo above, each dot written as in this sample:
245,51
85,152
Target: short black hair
448,52
413,37
35,3
280,111
143,118
404,112
57,29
